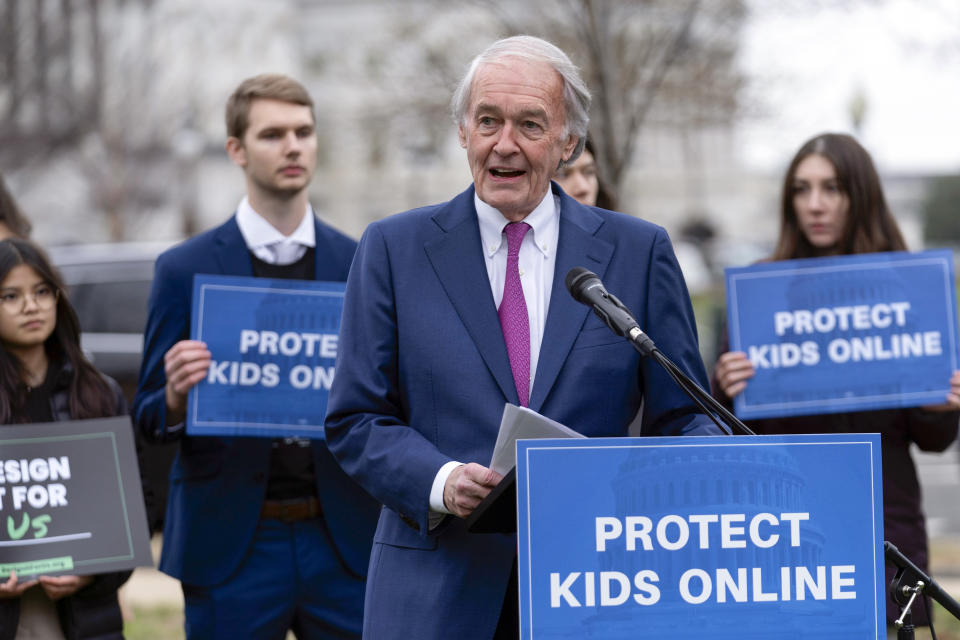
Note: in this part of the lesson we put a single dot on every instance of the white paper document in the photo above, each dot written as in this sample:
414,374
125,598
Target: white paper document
520,423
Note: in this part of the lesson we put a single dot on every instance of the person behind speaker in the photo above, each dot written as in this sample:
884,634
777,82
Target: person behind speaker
264,535
832,204
581,180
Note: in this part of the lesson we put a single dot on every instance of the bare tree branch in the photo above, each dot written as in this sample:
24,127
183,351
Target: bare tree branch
640,58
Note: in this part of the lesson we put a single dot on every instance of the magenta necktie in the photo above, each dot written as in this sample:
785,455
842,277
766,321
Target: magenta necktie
513,313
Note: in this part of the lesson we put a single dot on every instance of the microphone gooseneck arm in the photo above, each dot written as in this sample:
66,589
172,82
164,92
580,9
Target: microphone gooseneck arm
586,288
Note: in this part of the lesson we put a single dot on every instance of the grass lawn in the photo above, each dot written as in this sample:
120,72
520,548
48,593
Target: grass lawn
151,623
162,622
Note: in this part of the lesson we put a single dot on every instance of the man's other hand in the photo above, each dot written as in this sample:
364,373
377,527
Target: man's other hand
467,486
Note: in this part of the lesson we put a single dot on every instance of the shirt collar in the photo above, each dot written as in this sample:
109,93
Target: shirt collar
543,221
257,232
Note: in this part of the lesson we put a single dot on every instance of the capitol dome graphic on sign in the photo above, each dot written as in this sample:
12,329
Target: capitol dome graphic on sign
687,481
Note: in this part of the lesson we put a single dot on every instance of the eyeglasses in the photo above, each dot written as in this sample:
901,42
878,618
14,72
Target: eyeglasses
14,302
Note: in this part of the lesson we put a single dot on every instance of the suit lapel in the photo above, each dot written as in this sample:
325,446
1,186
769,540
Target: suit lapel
578,246
231,250
458,262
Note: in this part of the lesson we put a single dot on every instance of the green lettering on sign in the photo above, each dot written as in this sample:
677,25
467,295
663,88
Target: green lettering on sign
37,567
40,525
16,532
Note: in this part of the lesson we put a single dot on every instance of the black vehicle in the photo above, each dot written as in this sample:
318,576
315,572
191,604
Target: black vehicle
109,285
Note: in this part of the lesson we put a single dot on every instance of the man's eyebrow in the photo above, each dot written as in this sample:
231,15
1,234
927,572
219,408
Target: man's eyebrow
282,128
533,113
538,113
486,107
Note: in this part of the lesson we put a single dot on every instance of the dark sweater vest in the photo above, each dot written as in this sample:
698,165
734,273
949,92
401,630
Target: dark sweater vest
291,459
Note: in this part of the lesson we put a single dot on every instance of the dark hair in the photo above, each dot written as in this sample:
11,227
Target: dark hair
870,226
90,395
273,86
11,215
605,197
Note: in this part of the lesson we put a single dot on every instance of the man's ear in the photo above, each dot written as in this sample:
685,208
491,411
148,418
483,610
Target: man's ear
569,146
236,151
462,135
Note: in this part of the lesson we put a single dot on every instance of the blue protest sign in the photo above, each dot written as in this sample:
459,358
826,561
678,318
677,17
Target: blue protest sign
848,333
273,346
701,537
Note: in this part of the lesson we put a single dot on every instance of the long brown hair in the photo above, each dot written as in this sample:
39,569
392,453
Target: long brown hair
870,226
89,395
10,213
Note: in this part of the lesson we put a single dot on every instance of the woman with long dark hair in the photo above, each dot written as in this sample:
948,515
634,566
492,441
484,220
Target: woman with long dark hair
44,376
833,204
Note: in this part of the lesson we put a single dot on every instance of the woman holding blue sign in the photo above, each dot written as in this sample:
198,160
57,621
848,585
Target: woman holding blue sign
45,377
833,204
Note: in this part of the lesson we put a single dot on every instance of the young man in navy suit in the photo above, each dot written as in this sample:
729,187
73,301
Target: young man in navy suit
454,310
264,535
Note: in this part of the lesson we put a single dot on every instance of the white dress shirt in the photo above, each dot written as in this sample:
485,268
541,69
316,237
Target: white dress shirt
536,263
267,243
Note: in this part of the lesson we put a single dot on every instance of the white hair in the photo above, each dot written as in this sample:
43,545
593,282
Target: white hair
576,96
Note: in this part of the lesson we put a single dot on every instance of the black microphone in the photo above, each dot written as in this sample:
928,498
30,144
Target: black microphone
586,288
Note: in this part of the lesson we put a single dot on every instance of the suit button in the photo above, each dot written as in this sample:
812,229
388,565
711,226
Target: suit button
259,476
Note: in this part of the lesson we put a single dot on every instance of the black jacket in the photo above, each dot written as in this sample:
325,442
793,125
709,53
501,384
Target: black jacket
93,612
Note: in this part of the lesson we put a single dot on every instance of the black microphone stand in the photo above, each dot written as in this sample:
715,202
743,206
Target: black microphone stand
909,583
707,403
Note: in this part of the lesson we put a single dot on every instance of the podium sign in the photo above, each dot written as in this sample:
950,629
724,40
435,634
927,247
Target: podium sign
847,333
701,537
274,346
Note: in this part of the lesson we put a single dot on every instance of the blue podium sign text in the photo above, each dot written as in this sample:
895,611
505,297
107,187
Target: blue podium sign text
701,537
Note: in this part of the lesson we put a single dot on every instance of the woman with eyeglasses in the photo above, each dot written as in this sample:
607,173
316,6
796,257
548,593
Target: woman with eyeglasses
44,377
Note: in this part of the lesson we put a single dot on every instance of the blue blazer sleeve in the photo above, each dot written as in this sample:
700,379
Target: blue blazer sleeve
365,425
168,322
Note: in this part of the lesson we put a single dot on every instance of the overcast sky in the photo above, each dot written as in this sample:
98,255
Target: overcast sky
808,64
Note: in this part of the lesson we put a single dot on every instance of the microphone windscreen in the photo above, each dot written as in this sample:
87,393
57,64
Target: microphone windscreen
577,279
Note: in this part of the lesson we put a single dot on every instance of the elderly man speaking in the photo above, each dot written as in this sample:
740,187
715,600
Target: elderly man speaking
455,309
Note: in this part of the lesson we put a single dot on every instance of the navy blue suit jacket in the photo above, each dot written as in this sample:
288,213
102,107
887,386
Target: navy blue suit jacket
217,485
423,375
